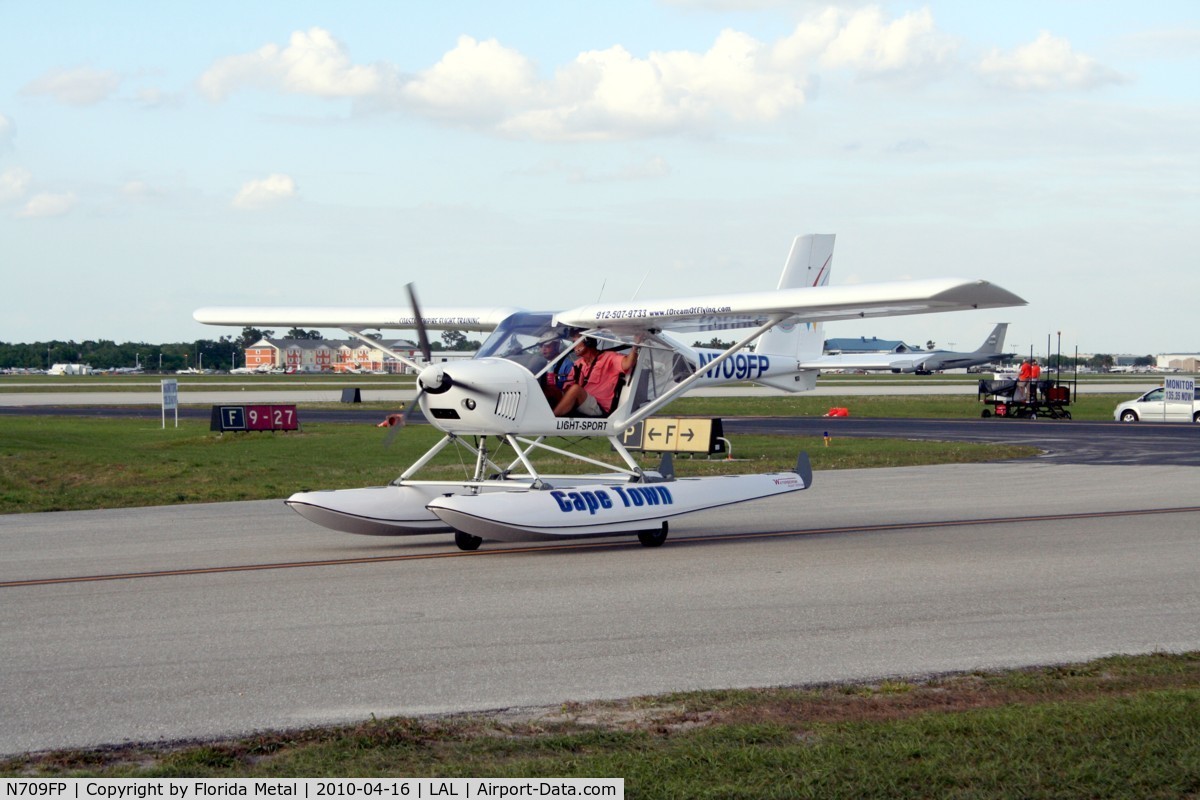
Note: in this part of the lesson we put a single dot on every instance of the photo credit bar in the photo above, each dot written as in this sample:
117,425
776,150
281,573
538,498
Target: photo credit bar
310,788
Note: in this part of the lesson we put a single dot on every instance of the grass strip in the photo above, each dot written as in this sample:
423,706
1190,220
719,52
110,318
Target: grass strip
73,463
1116,727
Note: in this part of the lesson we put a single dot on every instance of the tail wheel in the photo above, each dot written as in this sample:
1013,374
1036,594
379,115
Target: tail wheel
653,538
466,541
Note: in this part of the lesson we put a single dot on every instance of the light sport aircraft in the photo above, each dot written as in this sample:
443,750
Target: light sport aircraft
921,362
497,396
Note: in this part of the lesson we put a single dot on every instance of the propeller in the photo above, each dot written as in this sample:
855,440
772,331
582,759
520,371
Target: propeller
398,421
419,321
432,379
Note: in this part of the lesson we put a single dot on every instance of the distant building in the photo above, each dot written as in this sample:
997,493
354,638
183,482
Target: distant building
862,344
1184,362
336,355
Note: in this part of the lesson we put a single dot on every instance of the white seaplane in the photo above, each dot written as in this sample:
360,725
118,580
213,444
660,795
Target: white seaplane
498,395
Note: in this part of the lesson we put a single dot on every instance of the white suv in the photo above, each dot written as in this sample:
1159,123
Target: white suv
1151,408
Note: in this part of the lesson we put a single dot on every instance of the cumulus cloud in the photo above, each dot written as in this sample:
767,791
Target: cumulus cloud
610,93
140,190
153,98
475,80
313,63
8,132
14,183
867,43
265,192
48,204
82,86
1048,63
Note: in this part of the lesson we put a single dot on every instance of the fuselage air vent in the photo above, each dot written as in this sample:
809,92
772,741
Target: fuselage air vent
507,404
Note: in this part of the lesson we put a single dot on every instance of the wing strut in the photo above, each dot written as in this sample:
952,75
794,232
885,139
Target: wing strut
686,383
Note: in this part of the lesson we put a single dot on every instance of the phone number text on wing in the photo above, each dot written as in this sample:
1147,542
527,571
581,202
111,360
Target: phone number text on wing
622,313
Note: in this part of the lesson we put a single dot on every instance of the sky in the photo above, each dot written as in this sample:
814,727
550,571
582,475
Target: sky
160,157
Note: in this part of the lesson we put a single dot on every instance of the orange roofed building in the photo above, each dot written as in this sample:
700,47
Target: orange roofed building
334,355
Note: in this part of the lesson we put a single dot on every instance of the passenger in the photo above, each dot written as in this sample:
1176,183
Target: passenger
555,378
592,388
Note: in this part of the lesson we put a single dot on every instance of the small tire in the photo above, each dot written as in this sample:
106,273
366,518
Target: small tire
466,541
653,538
1196,417
1128,415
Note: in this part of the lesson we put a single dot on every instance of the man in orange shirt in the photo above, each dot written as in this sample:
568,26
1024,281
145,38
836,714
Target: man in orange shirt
1024,375
592,387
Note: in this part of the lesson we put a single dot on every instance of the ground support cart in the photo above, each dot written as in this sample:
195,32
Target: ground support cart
1048,398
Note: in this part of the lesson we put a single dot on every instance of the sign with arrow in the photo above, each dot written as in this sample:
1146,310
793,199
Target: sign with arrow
675,435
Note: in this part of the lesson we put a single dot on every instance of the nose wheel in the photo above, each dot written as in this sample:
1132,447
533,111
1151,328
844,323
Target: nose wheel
466,541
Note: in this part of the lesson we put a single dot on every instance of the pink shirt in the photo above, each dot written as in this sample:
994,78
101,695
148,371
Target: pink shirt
599,379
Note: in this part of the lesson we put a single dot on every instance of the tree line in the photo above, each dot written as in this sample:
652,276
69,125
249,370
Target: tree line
223,353
227,352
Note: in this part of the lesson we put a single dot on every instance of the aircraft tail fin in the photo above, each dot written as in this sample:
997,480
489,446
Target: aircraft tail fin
808,264
994,343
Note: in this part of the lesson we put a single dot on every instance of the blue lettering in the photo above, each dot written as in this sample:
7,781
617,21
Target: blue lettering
740,366
594,500
560,498
621,494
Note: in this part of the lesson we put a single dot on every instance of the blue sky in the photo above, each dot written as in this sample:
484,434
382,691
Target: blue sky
155,158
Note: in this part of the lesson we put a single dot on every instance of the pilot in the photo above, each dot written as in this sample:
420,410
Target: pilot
592,388
553,380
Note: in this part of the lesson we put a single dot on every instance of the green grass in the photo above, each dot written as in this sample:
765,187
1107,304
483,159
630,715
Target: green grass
934,406
1118,727
69,463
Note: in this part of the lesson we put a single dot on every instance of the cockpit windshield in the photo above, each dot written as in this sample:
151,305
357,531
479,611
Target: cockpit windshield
529,339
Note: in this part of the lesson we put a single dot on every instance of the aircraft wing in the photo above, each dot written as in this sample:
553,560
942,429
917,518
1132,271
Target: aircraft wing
807,304
355,317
